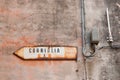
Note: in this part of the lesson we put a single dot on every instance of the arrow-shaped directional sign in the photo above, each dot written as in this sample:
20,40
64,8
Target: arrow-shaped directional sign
47,52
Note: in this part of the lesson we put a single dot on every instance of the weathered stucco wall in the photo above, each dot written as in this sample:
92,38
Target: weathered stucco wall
57,22
38,22
106,64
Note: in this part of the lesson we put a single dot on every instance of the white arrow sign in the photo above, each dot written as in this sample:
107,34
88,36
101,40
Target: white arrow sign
47,52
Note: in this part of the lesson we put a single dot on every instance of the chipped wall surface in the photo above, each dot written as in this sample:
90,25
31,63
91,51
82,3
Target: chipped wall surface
106,64
38,22
57,22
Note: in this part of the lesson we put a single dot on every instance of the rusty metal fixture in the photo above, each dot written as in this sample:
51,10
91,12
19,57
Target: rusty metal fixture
118,5
46,52
110,38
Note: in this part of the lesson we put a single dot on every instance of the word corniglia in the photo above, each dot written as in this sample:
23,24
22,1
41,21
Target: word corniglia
45,50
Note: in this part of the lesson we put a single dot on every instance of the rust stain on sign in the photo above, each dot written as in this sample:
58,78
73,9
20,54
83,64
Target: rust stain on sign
45,52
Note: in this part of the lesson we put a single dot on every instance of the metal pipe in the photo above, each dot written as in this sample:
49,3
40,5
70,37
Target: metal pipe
83,26
84,31
109,28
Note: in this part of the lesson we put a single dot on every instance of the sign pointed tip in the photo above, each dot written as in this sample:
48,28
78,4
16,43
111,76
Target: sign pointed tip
19,53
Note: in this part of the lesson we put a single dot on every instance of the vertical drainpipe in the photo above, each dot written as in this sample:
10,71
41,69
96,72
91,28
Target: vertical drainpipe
84,32
83,35
83,26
